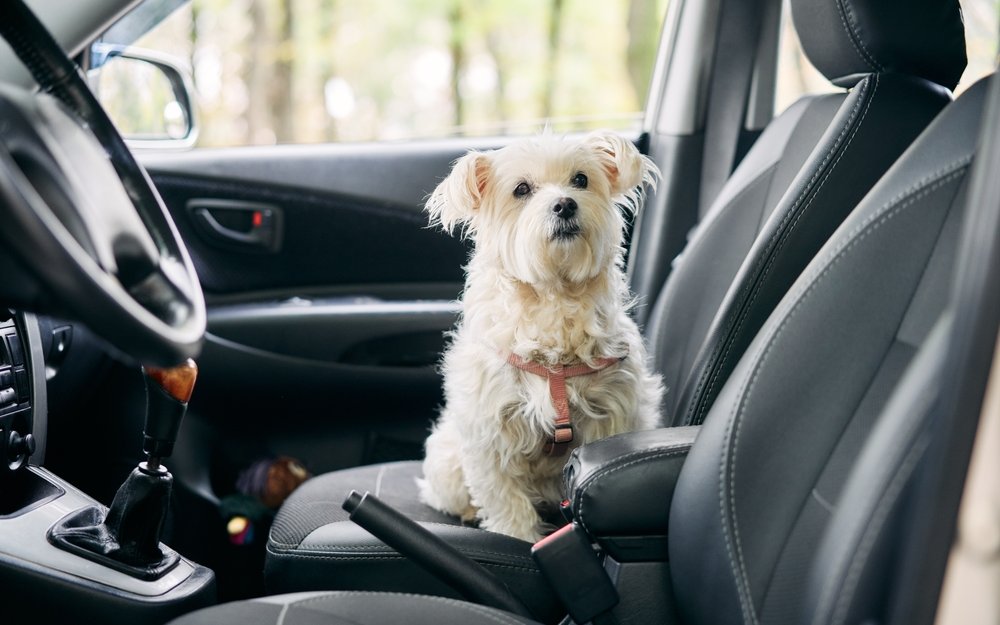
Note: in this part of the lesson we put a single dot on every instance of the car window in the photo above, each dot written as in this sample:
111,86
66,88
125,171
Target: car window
309,71
797,76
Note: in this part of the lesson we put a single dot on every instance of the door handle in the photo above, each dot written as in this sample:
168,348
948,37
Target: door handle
243,226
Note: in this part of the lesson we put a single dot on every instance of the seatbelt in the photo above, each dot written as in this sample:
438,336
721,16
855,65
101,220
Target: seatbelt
735,54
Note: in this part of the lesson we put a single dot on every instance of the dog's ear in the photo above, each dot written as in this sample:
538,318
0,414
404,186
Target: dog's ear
458,197
626,168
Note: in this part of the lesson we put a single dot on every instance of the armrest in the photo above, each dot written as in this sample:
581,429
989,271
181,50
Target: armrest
622,486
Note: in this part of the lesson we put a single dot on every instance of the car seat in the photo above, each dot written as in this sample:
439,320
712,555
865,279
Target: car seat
804,174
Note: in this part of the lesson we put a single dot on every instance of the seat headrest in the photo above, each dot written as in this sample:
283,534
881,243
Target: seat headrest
847,39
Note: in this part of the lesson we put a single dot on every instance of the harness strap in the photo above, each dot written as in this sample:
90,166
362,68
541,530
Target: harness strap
556,376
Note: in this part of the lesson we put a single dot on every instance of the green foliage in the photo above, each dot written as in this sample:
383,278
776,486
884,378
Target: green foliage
304,71
309,71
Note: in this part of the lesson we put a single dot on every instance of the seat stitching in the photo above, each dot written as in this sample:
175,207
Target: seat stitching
701,229
780,236
284,545
782,232
821,500
724,518
281,615
378,480
855,39
306,555
712,217
886,212
613,463
364,547
384,549
829,452
496,617
881,513
733,543
665,453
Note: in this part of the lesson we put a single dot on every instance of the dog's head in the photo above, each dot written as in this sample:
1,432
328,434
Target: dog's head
547,209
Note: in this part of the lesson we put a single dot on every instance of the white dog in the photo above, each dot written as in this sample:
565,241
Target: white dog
545,356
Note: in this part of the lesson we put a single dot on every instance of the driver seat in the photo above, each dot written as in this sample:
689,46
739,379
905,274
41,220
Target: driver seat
826,151
803,446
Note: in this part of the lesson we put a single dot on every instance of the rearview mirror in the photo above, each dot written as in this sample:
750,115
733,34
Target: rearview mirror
147,95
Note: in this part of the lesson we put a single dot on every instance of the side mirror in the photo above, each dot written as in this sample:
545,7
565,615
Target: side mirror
146,94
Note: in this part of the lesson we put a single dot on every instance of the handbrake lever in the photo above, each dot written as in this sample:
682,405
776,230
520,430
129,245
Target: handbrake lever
462,573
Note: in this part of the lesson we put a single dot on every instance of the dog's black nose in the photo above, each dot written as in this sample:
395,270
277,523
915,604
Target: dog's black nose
565,207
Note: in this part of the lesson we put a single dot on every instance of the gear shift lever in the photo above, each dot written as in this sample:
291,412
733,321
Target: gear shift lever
168,392
127,537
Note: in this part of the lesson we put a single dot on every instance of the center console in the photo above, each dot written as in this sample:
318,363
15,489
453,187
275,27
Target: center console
619,491
50,583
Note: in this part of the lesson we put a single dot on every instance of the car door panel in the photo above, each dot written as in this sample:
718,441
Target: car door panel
334,328
398,174
333,331
327,238
359,358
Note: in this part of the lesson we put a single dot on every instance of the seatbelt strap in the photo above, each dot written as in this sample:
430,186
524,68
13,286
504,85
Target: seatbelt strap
735,54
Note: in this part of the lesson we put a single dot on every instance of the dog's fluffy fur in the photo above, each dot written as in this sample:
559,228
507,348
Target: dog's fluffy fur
548,290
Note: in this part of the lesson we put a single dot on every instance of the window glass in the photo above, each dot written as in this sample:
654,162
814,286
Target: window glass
982,28
307,71
797,77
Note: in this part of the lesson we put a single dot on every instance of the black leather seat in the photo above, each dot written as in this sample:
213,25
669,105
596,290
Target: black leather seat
799,181
816,425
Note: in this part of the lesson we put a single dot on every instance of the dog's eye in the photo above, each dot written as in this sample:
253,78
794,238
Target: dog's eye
522,189
579,180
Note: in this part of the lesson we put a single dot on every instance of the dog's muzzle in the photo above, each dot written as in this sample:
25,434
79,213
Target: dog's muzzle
565,230
565,227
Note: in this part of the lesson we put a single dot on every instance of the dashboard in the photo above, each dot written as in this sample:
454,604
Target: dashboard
22,391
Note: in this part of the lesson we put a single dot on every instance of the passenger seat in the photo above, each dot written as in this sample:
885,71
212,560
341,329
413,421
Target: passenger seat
789,505
803,176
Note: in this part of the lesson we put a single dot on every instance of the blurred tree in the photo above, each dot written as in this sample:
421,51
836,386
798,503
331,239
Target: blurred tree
327,67
258,76
456,45
643,38
282,71
549,81
306,71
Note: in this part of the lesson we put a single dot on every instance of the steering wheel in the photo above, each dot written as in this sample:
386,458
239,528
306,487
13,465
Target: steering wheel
81,217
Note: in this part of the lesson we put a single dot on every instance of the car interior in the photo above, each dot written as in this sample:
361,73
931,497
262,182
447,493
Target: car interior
816,285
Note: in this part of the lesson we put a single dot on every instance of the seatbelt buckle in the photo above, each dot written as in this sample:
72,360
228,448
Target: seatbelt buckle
566,509
573,569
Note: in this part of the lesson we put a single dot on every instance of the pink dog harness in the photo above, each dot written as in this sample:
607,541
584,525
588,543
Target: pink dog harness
563,435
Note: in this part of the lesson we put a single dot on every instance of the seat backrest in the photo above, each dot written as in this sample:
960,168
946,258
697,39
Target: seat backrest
802,177
768,467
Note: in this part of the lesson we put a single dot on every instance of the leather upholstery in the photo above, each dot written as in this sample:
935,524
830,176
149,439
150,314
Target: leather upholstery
801,178
769,465
702,274
849,39
815,434
851,573
609,482
314,546
351,608
874,124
